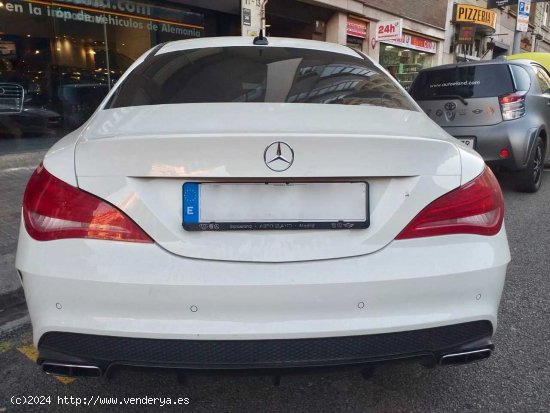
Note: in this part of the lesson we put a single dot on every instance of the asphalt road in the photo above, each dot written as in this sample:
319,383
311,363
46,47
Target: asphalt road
515,379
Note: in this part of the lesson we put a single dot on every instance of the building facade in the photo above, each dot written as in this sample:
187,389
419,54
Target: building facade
489,33
354,23
541,28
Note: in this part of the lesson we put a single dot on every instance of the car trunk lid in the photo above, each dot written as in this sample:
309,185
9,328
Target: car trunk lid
406,166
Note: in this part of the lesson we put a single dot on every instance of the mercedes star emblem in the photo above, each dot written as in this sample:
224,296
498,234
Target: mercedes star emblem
278,156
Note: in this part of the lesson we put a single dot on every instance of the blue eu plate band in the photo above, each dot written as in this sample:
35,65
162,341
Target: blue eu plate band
190,203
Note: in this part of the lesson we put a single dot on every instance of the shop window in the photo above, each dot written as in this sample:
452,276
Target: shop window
64,59
402,63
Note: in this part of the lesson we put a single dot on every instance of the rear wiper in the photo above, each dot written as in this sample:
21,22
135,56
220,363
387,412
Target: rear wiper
446,97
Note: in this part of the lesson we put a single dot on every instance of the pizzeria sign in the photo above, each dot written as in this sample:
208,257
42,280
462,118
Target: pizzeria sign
465,13
414,42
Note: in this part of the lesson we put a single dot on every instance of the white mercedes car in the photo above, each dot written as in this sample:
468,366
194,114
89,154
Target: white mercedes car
239,205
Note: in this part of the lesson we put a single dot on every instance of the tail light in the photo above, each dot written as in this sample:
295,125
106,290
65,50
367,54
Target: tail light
475,208
512,106
53,209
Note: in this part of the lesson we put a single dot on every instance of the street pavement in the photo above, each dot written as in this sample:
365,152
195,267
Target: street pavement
515,379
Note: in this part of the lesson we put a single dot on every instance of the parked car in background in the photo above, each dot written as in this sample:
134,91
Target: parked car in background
499,108
232,205
21,117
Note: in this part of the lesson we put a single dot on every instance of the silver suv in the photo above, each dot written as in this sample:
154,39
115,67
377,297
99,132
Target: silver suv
500,108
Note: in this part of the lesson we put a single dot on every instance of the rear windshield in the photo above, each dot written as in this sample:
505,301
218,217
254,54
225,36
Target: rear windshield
254,74
468,82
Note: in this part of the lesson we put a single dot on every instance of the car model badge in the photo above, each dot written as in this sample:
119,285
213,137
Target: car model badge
450,106
438,112
477,111
279,156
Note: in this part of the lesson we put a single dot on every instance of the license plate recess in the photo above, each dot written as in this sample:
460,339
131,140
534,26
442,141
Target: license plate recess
275,206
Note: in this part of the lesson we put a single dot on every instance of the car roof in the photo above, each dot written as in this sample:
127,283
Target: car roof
235,41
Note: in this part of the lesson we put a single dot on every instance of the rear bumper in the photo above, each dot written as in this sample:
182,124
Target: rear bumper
95,292
517,136
107,351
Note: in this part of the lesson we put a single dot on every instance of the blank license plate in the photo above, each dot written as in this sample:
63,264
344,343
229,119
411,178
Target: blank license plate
275,206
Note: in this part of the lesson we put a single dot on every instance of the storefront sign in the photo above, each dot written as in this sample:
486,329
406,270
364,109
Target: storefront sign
357,28
464,13
491,4
524,8
124,13
415,42
466,34
389,30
